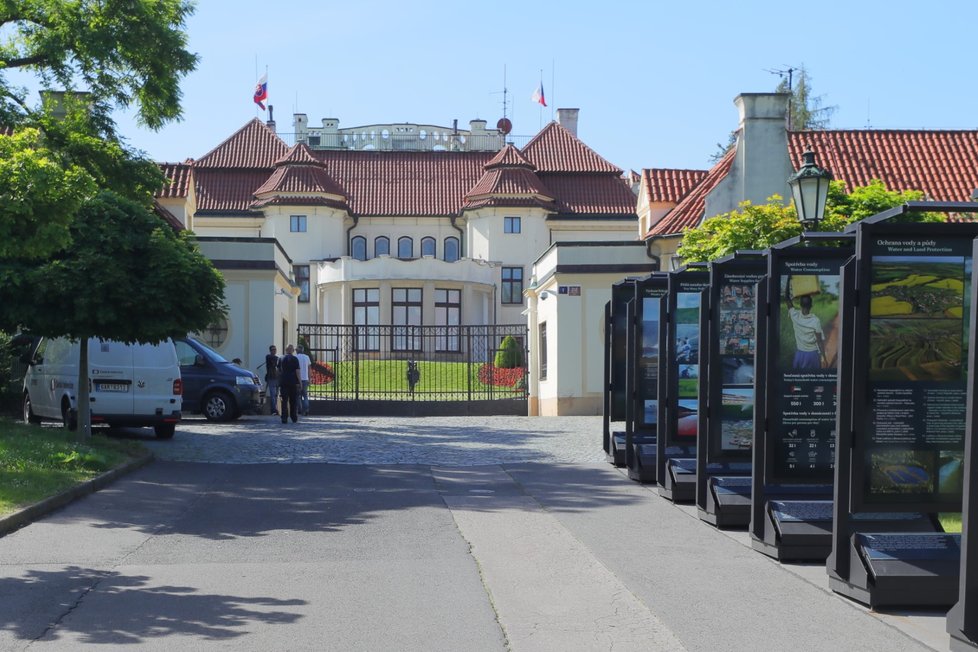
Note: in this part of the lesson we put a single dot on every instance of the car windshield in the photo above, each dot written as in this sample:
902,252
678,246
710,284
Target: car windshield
210,353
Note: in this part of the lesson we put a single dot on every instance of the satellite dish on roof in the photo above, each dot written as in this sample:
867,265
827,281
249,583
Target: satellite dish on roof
504,126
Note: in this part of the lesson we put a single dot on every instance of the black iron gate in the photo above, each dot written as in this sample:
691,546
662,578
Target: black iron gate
417,370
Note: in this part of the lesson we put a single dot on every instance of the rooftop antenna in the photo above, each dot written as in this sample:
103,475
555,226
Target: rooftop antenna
788,72
504,125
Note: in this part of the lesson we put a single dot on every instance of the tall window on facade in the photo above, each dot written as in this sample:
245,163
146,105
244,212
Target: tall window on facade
366,313
448,317
382,246
427,246
405,247
543,351
297,223
512,288
511,225
358,248
302,280
406,319
451,250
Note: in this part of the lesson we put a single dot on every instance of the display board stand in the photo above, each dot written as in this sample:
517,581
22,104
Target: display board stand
962,620
901,422
616,344
644,343
798,340
723,457
679,413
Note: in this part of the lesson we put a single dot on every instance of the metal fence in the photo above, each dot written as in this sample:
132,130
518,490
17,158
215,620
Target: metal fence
418,364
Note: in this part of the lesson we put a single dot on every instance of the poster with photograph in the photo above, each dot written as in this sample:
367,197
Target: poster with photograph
917,368
686,358
805,346
733,365
647,335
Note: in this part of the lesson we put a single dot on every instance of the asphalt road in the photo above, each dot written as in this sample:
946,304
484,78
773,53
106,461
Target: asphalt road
533,555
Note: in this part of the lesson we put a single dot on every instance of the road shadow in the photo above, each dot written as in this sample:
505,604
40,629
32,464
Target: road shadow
126,610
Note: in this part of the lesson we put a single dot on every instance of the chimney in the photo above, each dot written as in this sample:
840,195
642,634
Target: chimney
761,166
567,118
271,117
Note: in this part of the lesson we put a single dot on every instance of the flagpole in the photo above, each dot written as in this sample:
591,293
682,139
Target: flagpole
553,90
540,120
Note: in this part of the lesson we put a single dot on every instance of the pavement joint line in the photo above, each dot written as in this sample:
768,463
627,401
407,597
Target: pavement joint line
478,565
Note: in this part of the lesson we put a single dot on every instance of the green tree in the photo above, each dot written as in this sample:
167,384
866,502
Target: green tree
125,276
805,110
120,52
751,226
761,226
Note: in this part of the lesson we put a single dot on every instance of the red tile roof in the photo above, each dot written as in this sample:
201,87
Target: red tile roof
413,184
689,211
178,176
942,164
669,185
555,149
299,172
252,146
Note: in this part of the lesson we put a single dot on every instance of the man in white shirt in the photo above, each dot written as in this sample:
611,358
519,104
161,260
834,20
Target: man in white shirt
304,363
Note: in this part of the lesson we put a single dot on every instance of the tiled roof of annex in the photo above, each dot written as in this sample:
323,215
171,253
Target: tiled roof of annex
689,211
413,184
943,164
670,185
178,180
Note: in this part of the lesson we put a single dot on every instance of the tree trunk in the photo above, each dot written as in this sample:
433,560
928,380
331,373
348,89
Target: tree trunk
84,404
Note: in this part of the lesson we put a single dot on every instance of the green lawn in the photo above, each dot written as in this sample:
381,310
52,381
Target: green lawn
379,377
37,462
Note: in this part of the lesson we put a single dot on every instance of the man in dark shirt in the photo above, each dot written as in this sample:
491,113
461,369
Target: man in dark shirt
288,385
271,377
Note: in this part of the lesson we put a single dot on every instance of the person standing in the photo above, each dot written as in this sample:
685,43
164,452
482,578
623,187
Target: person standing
288,385
271,377
304,363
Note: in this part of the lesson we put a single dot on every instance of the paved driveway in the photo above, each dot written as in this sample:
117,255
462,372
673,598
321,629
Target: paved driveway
409,534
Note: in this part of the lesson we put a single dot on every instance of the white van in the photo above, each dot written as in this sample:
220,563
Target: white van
129,384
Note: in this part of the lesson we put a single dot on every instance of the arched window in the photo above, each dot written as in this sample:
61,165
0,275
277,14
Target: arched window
382,246
358,247
427,246
405,247
451,250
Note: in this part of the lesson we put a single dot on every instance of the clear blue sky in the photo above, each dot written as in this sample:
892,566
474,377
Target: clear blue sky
654,81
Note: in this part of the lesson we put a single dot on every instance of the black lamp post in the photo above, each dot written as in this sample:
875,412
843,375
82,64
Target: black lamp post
809,189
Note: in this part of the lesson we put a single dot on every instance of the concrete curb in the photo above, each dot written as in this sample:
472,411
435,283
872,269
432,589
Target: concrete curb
30,514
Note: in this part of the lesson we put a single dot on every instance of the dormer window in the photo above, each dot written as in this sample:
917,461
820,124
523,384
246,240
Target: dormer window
512,225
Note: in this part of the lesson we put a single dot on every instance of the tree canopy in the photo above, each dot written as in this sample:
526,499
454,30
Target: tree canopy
120,52
805,110
763,225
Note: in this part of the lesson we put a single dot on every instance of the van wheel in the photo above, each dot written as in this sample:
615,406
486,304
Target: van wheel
218,406
29,416
165,430
69,418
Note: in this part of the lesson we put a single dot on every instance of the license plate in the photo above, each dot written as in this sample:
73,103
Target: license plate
112,387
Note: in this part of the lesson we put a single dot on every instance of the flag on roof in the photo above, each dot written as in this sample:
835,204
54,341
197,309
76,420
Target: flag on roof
538,96
261,91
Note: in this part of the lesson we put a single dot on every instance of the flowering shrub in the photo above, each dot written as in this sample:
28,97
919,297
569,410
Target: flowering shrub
493,375
320,373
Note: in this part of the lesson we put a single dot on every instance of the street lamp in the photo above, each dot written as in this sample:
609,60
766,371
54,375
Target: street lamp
810,188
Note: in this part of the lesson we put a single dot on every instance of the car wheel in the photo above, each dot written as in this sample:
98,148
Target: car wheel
165,430
69,418
218,406
29,416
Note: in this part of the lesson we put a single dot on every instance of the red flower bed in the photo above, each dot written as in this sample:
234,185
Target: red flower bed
320,373
493,375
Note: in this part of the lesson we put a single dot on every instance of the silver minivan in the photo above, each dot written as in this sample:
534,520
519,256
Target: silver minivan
129,384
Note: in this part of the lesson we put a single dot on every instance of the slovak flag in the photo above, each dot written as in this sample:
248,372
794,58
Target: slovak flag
261,91
538,96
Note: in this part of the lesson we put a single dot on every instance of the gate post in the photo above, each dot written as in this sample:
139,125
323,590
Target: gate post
356,362
468,361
